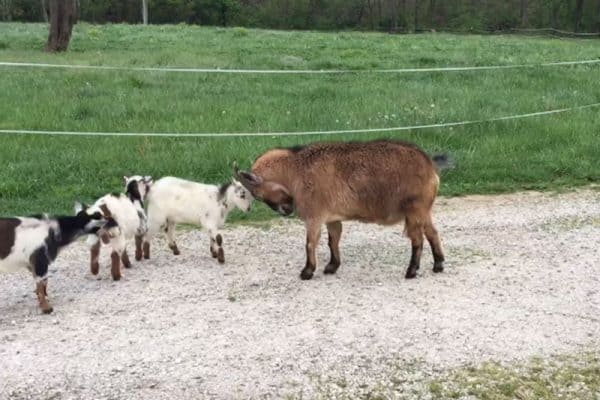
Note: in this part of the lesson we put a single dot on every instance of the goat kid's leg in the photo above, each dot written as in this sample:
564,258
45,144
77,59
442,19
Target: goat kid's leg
436,247
139,253
154,224
216,245
313,232
171,238
414,230
115,265
125,259
39,263
334,230
41,291
95,258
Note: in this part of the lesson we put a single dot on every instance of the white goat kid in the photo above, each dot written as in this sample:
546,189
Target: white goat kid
173,201
127,220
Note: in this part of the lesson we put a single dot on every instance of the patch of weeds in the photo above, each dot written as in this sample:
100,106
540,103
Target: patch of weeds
81,112
566,377
570,223
239,31
3,45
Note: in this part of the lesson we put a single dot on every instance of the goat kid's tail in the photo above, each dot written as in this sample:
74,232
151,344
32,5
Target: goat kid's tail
443,161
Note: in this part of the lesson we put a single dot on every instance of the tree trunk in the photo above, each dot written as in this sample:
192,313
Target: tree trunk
578,14
416,15
395,10
598,18
45,11
524,13
555,9
63,15
145,12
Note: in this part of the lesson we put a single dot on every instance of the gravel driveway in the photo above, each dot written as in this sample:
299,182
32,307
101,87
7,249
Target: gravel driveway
522,279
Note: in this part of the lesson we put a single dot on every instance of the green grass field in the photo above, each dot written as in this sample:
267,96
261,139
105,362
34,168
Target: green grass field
48,173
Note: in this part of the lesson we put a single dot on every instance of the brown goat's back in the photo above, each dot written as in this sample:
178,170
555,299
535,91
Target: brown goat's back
378,181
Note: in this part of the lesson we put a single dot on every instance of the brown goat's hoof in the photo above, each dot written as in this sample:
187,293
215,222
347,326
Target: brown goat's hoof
438,267
138,257
306,274
47,310
411,273
330,269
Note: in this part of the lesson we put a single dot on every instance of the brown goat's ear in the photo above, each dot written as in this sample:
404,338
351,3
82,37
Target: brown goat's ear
249,180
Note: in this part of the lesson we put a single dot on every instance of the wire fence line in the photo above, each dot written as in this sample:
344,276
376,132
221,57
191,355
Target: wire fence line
9,64
296,133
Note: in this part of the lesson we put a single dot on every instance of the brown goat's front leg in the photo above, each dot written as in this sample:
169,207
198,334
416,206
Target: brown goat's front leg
313,232
334,230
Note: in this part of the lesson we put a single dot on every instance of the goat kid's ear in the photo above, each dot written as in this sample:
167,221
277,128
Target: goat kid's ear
125,179
78,207
148,179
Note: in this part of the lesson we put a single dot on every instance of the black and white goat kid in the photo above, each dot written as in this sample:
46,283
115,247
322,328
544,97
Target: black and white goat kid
34,242
126,220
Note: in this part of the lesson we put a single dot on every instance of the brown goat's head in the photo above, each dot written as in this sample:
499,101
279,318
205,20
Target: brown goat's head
273,194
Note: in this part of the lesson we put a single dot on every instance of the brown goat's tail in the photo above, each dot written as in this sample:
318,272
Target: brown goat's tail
443,161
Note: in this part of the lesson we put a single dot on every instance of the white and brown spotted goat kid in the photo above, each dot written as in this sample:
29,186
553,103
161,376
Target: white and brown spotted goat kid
127,220
33,243
173,201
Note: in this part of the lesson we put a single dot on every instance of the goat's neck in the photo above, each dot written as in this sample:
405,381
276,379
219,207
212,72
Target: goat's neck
225,204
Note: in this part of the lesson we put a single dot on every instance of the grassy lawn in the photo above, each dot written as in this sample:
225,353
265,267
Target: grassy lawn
48,173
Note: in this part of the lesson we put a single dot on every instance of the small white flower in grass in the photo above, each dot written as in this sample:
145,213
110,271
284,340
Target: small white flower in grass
288,112
223,112
432,105
337,121
393,115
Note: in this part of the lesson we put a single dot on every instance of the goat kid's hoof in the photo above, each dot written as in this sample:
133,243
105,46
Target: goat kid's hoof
138,257
306,274
221,256
330,269
47,310
438,267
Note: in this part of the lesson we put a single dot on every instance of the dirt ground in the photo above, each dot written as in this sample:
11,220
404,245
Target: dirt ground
521,280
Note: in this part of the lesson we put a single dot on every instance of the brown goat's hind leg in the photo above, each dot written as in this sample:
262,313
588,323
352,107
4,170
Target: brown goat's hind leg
334,230
313,232
436,247
414,231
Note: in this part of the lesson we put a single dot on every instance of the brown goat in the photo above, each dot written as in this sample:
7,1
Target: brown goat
383,182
